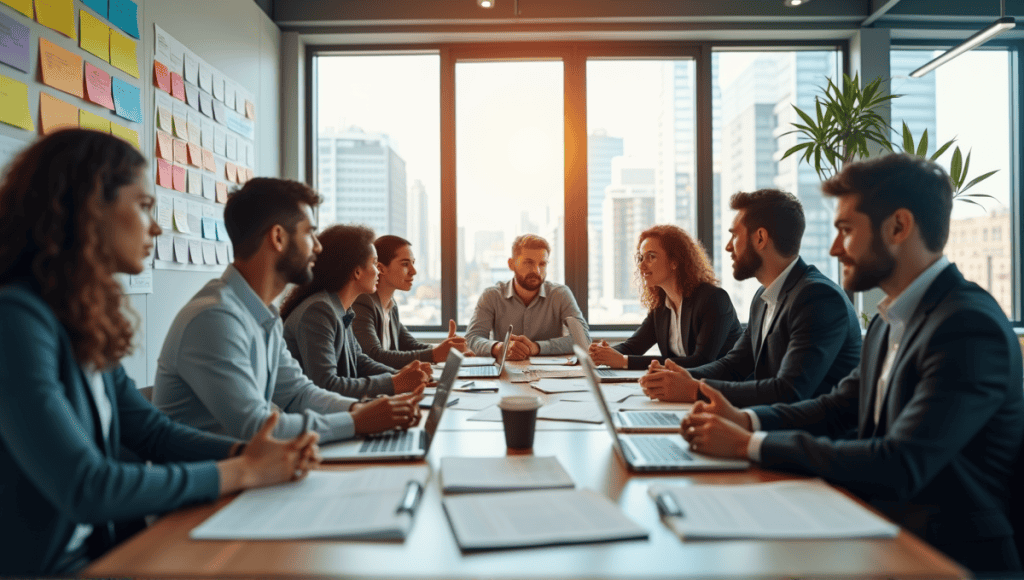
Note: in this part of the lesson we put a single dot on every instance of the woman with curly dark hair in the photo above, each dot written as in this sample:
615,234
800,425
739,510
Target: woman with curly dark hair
689,317
74,209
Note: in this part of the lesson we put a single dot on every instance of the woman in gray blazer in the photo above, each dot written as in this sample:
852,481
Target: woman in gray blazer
74,209
689,317
377,327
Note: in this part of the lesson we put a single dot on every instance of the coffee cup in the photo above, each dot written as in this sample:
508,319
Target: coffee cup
519,416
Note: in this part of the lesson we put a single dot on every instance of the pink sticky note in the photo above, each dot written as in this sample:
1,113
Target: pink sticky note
164,149
97,86
177,87
195,155
163,174
209,162
180,151
231,172
178,173
161,76
222,192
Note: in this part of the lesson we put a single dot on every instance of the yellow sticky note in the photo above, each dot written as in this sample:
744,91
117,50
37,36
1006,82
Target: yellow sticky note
122,53
14,104
23,6
129,135
95,35
87,120
58,15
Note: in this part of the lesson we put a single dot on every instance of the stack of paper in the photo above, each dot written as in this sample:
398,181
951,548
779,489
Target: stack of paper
571,385
468,474
781,510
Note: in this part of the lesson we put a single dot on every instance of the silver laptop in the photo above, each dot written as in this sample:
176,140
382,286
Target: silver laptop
637,421
493,370
654,452
579,338
407,445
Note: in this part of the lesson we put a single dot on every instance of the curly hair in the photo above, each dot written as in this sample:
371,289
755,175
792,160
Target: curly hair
345,248
693,267
52,201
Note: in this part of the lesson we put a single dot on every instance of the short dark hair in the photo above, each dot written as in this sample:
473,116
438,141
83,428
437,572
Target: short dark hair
261,204
387,246
895,181
345,248
778,212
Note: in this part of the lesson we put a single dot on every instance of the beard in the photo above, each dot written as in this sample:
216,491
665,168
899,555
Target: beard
530,282
295,267
871,270
746,264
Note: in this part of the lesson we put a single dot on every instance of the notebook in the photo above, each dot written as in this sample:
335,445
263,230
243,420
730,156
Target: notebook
400,445
579,338
492,370
654,452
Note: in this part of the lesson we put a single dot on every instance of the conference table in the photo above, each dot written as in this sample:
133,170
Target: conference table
430,550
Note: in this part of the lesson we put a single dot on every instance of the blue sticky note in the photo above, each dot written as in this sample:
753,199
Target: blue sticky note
14,43
98,6
127,100
222,232
124,14
209,228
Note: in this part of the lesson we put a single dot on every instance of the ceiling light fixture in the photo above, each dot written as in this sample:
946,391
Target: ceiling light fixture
998,27
485,3
792,3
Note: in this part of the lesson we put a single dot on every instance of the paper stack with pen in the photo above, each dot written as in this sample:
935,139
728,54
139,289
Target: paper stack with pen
375,503
540,512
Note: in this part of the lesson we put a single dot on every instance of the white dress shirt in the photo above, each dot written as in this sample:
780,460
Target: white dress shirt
771,298
675,335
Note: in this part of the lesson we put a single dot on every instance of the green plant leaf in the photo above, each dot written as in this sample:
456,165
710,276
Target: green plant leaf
922,147
965,200
978,180
942,149
796,148
985,195
908,138
963,172
954,167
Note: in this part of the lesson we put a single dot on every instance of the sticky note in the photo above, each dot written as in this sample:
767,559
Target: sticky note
195,183
220,138
250,110
180,127
240,104
127,100
209,162
195,252
165,246
231,151
205,77
14,104
122,53
163,174
55,114
163,119
164,146
58,15
193,132
14,39
218,111
222,192
218,86
161,76
95,35
209,228
229,94
61,68
230,171
191,68
177,86
23,6
180,249
205,104
222,254
178,177
87,120
195,155
207,134
209,254
192,95
129,135
180,151
222,232
97,86
209,188
195,214
124,14
98,6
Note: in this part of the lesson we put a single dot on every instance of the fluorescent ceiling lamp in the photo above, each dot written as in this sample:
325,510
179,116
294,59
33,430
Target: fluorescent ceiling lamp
485,3
979,38
792,3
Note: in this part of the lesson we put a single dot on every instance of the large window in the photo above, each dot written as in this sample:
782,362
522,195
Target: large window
967,99
753,95
378,159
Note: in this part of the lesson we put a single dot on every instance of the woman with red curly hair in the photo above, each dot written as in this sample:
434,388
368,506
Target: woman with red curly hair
74,209
689,317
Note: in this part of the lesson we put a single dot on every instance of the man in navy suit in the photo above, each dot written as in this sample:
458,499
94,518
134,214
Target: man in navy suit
928,428
802,336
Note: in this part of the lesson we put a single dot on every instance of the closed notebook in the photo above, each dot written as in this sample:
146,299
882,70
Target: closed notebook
469,474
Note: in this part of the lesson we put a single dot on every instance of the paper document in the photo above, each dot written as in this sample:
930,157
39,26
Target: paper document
645,403
780,510
550,386
327,504
562,360
571,411
612,393
467,474
537,518
553,372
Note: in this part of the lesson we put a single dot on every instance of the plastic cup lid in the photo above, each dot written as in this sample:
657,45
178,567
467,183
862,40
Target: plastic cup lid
521,403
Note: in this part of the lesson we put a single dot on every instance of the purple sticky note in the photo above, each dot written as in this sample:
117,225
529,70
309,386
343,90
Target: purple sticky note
14,43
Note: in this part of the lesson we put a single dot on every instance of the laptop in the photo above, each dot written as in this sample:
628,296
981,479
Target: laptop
652,452
406,445
491,371
579,338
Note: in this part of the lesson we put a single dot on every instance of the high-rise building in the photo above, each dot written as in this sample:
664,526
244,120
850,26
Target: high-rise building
601,149
419,227
629,209
982,247
363,180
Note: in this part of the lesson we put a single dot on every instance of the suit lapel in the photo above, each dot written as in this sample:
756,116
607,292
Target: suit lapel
876,344
685,317
661,330
795,275
759,308
94,411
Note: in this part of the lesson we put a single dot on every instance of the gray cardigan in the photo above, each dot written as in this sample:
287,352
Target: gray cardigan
319,335
368,327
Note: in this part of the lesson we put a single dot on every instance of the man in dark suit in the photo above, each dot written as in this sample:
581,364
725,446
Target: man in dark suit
928,427
802,336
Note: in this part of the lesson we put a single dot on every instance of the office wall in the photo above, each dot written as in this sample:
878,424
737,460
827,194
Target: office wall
238,38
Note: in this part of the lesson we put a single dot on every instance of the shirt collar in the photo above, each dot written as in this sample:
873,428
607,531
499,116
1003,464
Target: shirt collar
771,293
339,308
510,289
265,316
902,307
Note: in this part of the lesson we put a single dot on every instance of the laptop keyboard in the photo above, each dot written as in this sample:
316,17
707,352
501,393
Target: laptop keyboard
484,372
652,419
392,441
605,373
660,450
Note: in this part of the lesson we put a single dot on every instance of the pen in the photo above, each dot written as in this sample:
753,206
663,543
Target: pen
413,491
667,505
307,421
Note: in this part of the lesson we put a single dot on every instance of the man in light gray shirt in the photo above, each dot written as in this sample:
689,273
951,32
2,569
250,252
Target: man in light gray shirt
533,307
224,364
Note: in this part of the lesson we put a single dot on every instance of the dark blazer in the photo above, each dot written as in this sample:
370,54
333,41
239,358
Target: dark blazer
813,342
939,460
707,324
368,327
57,470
